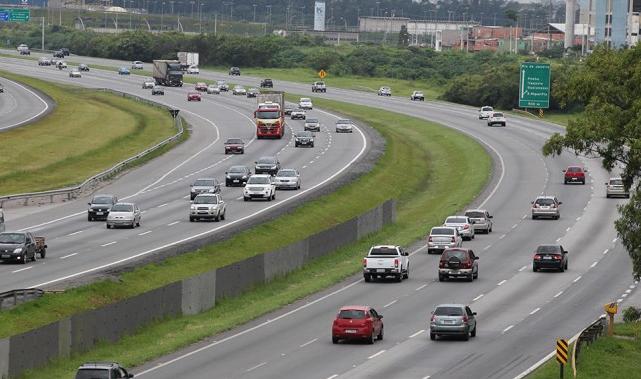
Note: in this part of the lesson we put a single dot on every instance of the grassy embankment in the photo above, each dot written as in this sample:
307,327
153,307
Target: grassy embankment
87,132
418,154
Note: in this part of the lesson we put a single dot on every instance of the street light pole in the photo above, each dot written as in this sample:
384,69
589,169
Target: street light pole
162,16
254,5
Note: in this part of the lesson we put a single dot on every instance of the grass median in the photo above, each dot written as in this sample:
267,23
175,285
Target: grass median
416,168
88,132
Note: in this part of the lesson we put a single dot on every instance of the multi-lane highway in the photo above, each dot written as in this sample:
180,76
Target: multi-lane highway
520,312
20,105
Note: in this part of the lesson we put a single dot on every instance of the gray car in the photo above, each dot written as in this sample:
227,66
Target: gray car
102,370
204,185
462,224
287,178
312,125
344,126
546,206
124,214
441,238
453,320
614,187
481,220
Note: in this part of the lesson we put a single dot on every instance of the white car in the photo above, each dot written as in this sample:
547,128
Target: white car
344,126
260,186
223,85
384,91
213,89
75,74
62,64
417,95
463,224
124,214
239,90
443,237
386,260
207,206
148,84
298,114
287,178
193,69
137,65
485,112
497,118
305,103
615,187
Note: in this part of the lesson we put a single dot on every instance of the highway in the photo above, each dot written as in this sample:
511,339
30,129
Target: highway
520,312
79,250
20,105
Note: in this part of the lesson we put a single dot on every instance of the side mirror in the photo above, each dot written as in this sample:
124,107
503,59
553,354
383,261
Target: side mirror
560,202
476,258
566,252
90,203
606,183
585,170
490,216
563,171
531,202
191,201
474,313
380,316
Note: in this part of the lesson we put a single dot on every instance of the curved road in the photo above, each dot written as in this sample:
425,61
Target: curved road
20,105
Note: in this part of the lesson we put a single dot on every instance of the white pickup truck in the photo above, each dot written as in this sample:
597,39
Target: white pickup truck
386,260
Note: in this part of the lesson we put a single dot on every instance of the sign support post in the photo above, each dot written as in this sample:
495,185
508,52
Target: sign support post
611,309
561,354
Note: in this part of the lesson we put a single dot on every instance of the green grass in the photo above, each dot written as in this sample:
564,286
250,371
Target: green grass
608,357
87,132
418,154
556,117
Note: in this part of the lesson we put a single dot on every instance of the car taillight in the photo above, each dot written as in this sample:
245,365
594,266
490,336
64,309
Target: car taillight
364,262
453,239
396,263
429,239
465,319
553,205
557,257
466,226
466,265
537,257
535,205
433,318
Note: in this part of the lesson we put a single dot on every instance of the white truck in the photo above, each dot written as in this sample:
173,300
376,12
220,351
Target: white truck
386,260
187,59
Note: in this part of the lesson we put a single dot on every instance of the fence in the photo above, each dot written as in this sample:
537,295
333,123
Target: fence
587,336
18,296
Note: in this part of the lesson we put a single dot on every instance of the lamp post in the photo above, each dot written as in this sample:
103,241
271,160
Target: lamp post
200,18
254,5
302,14
162,16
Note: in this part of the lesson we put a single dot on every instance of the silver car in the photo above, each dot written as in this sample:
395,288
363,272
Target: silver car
213,89
124,214
222,85
481,220
239,90
148,84
344,126
287,178
207,206
453,320
442,238
312,124
546,206
204,185
462,224
614,187
384,91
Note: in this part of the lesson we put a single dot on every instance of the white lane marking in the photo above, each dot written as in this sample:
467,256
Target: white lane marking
186,197
376,355
173,223
578,218
426,377
559,239
22,269
628,291
69,255
615,240
478,297
624,295
632,286
514,226
255,367
333,376
524,217
501,237
506,329
162,205
594,264
605,251
522,268
304,166
75,233
309,342
390,303
421,287
143,233
568,229
487,247
558,294
577,279
32,117
501,282
108,243
535,310
417,333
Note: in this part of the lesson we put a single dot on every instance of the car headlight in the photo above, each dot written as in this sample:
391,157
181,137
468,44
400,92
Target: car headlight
18,250
228,176
193,190
193,207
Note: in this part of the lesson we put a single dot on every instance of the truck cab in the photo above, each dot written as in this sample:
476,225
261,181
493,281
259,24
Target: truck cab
270,119
386,260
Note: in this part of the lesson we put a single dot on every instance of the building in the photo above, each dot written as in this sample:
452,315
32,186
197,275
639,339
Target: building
616,23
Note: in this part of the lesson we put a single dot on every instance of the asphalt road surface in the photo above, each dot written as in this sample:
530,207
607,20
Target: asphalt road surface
20,105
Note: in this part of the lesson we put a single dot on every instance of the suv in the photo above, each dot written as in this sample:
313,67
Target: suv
207,206
99,206
417,95
319,87
453,320
496,118
546,206
550,257
574,174
485,112
266,83
386,260
481,220
261,187
443,237
102,370
234,71
458,263
615,187
204,185
237,176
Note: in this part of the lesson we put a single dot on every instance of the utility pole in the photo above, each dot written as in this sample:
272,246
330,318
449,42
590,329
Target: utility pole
254,5
192,8
162,16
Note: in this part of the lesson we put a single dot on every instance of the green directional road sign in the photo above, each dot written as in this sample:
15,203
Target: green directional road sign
15,14
534,85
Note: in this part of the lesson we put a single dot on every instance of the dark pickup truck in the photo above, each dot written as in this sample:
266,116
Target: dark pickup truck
21,247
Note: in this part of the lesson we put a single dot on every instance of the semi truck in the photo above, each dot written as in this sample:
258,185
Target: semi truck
270,116
187,59
168,73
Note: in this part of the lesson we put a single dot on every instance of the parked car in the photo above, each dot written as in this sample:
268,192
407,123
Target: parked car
193,96
234,146
481,220
252,92
344,126
497,118
319,87
83,67
462,224
384,91
237,176
123,71
304,138
417,95
550,257
234,71
239,90
266,83
222,85
357,322
287,178
100,205
147,84
305,103
137,65
74,74
452,320
201,86
267,165
157,90
260,186
485,112
21,247
458,263
312,124
204,185
124,214
615,187
386,260
298,114
213,89
207,206
546,206
574,174
102,370
193,69
441,238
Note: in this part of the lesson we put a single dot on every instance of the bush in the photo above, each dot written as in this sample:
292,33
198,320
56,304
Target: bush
631,314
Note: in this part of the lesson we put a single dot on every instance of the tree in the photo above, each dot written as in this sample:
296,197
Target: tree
610,128
403,36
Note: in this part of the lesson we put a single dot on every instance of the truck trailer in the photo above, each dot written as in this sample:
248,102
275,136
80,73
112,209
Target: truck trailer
168,73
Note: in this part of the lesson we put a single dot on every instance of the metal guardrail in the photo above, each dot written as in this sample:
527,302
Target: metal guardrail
72,192
587,336
20,295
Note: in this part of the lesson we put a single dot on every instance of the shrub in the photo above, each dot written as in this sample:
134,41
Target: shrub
631,314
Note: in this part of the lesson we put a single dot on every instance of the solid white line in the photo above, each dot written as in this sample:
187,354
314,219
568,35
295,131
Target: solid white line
333,376
255,367
619,300
417,333
309,342
535,310
143,233
628,291
514,226
478,297
487,247
32,117
162,205
524,217
376,355
501,237
558,239
522,268
605,251
558,294
426,377
577,279
501,282
578,218
108,243
70,255
421,287
74,233
506,329
22,269
594,264
173,223
390,303
624,295
568,229
615,240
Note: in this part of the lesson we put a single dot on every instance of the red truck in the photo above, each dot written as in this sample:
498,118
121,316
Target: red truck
270,116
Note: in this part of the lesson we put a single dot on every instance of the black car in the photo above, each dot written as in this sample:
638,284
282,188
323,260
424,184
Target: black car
252,92
267,165
550,257
267,83
100,206
234,71
65,51
83,67
58,54
304,138
237,176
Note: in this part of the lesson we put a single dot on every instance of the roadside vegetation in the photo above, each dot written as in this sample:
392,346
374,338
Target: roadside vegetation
87,132
418,154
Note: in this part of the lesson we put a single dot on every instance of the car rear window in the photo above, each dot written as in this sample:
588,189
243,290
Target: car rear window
286,173
548,249
574,169
237,169
258,180
475,214
235,141
101,200
487,109
456,220
351,314
311,121
266,161
92,374
462,255
544,202
616,182
122,208
448,311
442,231
497,115
383,251
204,182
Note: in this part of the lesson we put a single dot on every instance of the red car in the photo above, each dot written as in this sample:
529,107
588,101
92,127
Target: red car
574,174
357,322
193,96
200,86
234,146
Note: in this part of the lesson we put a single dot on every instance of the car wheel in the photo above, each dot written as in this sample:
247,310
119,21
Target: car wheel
399,278
466,336
245,198
370,339
89,218
534,268
470,278
108,226
433,336
380,334
217,218
222,217
476,276
566,265
533,217
367,278
608,196
334,340
441,278
24,258
562,268
407,273
274,196
191,219
473,334
43,253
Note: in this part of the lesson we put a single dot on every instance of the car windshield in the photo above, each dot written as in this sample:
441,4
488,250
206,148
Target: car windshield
385,88
305,100
616,182
311,121
93,373
383,250
448,311
419,93
487,109
258,180
101,200
12,238
204,183
157,87
269,115
574,169
240,169
200,199
548,249
304,134
497,115
343,122
475,214
546,202
286,173
122,208
239,87
267,161
456,220
442,231
220,82
351,314
235,141
462,255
